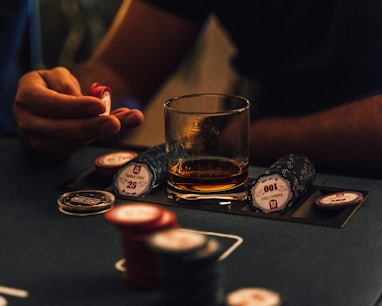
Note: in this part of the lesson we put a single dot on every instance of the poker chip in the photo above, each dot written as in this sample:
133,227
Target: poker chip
282,184
177,241
339,199
141,175
102,92
272,193
135,215
3,301
136,221
85,202
253,297
108,164
190,273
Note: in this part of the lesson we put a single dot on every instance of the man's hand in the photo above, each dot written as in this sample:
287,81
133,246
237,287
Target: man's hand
54,119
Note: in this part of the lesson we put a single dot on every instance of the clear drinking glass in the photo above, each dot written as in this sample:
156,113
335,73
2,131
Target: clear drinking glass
207,145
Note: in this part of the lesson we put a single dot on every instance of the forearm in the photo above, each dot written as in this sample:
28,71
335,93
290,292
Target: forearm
90,72
142,48
346,138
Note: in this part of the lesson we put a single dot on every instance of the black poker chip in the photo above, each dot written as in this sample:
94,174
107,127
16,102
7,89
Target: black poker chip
176,242
85,202
339,199
190,273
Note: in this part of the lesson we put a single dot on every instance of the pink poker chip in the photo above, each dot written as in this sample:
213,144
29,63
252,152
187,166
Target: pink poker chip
102,92
339,199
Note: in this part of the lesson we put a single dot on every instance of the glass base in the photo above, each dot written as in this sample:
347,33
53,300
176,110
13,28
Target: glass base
221,198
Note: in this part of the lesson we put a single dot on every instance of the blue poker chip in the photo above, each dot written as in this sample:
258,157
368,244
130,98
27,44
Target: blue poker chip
339,199
139,176
282,184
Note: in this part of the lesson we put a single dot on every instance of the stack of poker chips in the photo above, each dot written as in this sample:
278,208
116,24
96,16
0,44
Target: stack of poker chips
190,273
282,184
142,174
136,222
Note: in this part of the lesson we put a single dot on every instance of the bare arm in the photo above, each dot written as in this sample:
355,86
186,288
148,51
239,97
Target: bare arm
344,139
143,46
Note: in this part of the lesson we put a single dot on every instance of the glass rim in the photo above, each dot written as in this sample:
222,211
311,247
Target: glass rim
232,96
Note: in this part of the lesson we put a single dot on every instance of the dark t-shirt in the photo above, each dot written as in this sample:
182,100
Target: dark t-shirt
300,55
18,53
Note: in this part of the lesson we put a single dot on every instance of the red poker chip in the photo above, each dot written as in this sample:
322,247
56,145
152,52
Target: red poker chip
102,92
339,199
108,164
135,215
136,221
168,220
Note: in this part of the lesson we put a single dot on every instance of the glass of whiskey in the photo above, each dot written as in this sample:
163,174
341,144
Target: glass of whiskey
207,146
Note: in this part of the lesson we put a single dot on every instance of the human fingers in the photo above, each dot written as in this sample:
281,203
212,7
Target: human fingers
69,128
129,118
35,96
60,79
59,138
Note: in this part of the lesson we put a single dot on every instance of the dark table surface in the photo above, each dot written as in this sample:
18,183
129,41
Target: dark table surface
68,260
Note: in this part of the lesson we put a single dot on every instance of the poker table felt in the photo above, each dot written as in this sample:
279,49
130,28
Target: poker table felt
67,260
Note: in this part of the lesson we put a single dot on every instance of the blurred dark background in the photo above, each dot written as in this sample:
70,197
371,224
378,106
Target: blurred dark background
70,29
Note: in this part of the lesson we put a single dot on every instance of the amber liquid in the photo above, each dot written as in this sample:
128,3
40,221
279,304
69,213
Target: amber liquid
208,175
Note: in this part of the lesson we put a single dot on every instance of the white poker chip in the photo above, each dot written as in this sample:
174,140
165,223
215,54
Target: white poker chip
3,301
106,98
253,297
339,199
178,240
